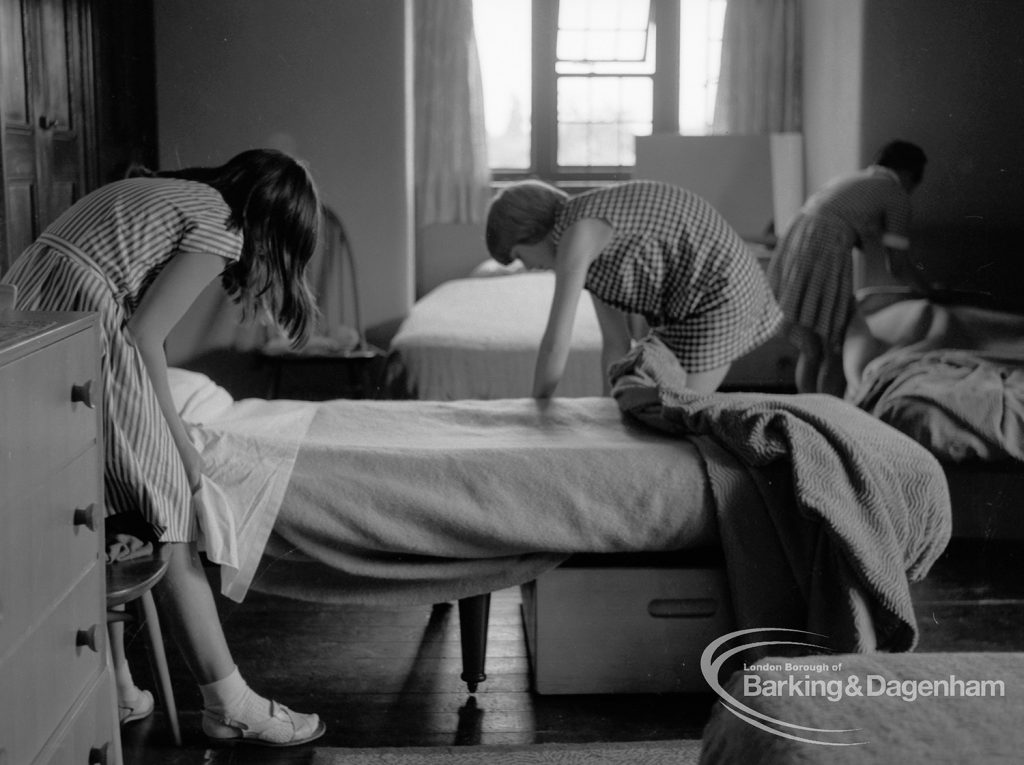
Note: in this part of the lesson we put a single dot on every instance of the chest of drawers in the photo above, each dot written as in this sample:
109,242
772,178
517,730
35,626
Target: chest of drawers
57,703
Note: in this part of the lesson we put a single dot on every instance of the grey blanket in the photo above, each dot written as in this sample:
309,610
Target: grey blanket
851,509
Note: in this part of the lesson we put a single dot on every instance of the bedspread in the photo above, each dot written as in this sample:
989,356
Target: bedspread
423,502
953,379
958,405
478,338
871,510
408,502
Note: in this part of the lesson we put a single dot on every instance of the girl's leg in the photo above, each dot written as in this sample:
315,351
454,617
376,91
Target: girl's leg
231,709
133,703
859,347
707,382
808,362
191,611
831,378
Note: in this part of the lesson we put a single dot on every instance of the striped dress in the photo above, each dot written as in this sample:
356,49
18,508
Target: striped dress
811,270
101,255
674,260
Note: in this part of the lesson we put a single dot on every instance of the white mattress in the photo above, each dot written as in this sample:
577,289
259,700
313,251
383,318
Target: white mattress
478,338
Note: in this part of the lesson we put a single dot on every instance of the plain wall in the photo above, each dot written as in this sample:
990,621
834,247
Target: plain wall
327,80
833,33
949,75
331,80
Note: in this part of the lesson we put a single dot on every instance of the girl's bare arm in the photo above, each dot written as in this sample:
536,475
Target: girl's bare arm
580,244
163,304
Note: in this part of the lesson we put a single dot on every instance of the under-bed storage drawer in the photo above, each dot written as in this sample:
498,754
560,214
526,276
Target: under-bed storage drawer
623,630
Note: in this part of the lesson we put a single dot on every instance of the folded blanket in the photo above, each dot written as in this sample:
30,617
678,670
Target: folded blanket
868,505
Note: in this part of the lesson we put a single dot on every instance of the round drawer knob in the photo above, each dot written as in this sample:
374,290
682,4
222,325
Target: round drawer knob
82,394
87,639
86,516
98,755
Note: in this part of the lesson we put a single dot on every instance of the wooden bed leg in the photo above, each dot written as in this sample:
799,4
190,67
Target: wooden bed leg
474,613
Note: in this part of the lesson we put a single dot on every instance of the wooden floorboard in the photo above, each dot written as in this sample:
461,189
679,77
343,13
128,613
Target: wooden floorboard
390,676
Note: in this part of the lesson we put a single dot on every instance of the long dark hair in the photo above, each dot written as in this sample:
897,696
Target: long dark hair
275,204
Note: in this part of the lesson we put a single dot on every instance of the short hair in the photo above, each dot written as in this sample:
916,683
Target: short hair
523,213
903,156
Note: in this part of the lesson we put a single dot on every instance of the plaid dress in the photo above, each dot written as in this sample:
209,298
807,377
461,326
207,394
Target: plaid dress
674,260
101,255
811,270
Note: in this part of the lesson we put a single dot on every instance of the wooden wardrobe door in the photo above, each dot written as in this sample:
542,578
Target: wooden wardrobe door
19,154
59,111
44,87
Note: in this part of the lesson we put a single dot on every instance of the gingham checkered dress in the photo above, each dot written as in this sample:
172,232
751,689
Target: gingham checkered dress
101,255
674,260
811,270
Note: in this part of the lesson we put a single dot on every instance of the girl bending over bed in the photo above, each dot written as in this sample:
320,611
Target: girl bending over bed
639,248
138,252
812,271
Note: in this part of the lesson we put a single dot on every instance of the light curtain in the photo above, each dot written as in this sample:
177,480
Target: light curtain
759,85
452,173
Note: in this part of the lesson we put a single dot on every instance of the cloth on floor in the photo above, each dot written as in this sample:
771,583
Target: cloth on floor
868,510
927,708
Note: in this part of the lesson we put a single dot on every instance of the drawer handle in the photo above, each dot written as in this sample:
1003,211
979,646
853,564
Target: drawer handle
682,608
82,394
87,639
98,755
86,516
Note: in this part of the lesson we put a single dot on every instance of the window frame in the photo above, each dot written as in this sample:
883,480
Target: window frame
544,98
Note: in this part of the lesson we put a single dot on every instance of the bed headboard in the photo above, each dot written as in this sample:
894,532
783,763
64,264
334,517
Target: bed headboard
751,179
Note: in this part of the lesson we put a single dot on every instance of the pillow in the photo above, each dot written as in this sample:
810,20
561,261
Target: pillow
491,267
197,398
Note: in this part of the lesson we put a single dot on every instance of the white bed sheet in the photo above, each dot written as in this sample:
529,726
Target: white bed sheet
426,501
478,338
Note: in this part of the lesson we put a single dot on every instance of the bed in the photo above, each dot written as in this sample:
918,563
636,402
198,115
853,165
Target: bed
953,380
477,338
381,502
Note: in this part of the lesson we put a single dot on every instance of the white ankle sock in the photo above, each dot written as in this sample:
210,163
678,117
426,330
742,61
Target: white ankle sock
126,690
232,697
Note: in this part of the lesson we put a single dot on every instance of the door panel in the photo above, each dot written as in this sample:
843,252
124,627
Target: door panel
55,109
12,58
44,102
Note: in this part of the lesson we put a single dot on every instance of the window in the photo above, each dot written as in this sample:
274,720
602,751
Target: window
569,83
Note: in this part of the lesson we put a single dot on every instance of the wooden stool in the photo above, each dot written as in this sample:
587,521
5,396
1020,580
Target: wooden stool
131,582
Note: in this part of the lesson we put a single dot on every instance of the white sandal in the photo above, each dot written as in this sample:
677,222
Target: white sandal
282,727
139,709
